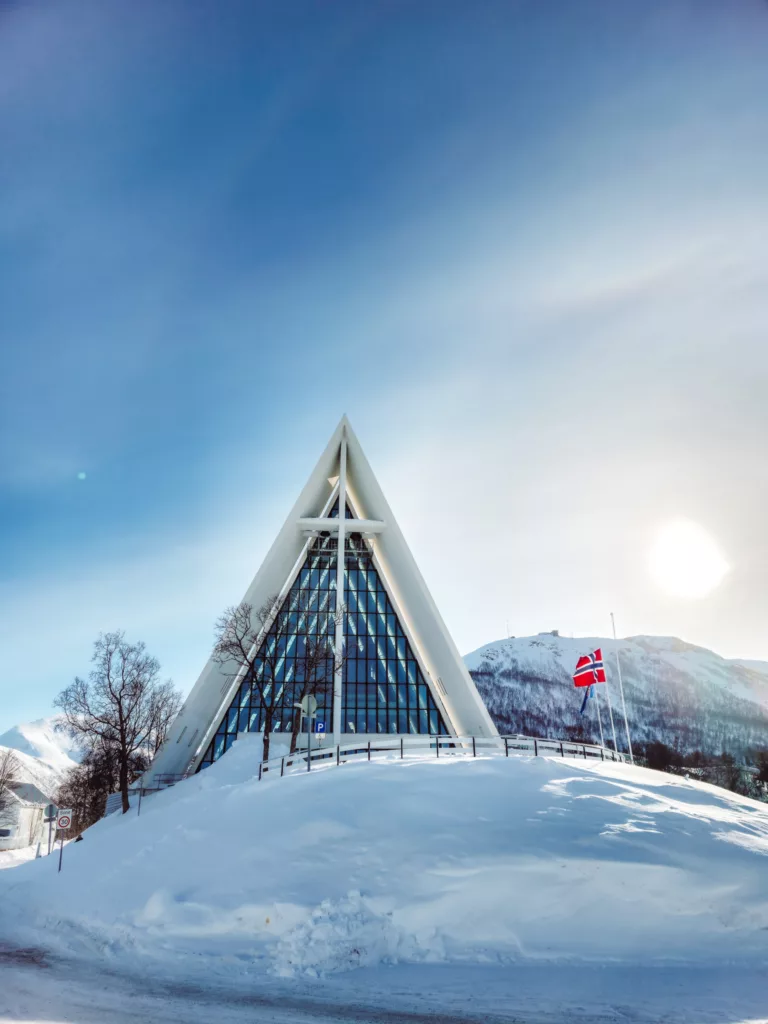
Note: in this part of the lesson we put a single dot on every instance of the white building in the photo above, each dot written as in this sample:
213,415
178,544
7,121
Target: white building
396,670
21,817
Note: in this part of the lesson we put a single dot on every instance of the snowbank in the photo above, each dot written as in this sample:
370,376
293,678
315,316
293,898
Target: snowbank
486,860
12,858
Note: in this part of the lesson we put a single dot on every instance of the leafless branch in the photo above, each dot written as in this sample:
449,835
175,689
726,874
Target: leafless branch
122,710
10,766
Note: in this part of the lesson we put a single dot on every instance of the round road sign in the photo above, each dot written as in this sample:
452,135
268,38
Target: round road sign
64,819
309,705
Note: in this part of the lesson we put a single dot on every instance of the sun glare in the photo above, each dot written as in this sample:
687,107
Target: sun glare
685,560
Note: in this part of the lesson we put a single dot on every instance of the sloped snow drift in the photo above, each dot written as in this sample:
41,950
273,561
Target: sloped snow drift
487,860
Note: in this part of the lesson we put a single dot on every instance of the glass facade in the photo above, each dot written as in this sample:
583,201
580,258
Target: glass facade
384,690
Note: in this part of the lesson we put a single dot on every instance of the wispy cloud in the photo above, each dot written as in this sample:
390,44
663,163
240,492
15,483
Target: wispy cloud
531,267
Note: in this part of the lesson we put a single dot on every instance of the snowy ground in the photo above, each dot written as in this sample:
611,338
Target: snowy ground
12,858
403,994
490,889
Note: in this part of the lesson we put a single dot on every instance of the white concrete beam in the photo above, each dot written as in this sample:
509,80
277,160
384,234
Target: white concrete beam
367,526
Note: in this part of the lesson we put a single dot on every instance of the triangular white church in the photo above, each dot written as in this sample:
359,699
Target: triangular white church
400,674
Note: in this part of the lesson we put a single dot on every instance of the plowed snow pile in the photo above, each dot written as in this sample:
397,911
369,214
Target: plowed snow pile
486,860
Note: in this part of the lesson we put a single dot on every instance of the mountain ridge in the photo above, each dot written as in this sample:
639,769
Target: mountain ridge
678,693
43,740
41,774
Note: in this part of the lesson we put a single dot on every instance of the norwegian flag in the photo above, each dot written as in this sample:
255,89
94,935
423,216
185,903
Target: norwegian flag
589,692
589,669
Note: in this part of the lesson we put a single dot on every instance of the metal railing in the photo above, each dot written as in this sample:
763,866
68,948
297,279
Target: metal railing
400,748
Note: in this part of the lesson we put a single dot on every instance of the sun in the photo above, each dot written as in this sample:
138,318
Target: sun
686,561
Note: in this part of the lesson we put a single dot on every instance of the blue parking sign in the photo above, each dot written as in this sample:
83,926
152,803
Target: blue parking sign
319,726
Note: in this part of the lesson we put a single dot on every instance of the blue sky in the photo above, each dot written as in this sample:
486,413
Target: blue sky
521,244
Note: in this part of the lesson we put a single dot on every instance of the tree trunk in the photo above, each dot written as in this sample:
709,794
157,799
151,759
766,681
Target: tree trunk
124,784
296,729
268,716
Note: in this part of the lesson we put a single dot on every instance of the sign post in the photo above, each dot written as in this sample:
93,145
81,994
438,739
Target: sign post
63,822
50,817
308,707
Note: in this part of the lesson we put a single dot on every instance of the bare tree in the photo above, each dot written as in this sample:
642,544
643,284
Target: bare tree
9,774
116,710
255,642
9,768
165,702
242,633
87,785
316,665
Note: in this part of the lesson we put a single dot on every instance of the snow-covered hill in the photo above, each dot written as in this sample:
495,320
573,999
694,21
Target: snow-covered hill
494,862
44,739
680,694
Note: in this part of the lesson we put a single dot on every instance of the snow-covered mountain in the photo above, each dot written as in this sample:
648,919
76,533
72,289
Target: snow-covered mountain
44,739
39,773
44,752
683,695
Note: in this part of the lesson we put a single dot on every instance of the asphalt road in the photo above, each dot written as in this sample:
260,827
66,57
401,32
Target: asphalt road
36,988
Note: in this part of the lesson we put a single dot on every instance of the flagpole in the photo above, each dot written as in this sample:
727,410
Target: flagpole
621,689
610,714
599,716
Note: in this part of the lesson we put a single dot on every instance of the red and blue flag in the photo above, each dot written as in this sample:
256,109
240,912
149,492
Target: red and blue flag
589,669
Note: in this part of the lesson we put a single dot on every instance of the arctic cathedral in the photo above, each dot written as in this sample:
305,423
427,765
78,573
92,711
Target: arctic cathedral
340,569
